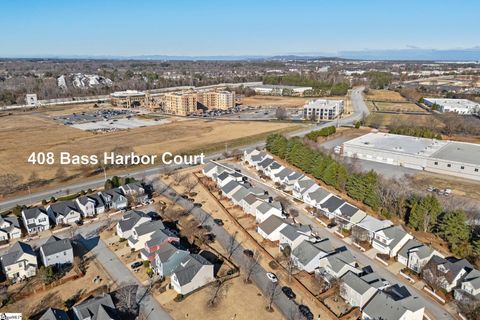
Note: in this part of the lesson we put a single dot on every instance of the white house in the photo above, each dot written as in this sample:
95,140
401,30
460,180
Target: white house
348,215
358,290
265,210
86,205
390,240
292,235
250,203
415,255
371,225
409,307
9,228
129,221
470,286
330,204
273,169
230,188
193,272
20,262
114,199
290,180
315,197
35,219
56,251
302,186
135,190
144,232
65,212
270,228
99,202
306,256
210,170
338,263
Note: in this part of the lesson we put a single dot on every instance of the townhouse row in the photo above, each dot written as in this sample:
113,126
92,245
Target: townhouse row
450,274
307,251
161,247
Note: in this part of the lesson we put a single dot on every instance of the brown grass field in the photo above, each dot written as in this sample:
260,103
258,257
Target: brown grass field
383,95
398,107
24,133
279,101
385,119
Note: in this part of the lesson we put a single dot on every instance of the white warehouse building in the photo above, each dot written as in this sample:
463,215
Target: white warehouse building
322,109
454,158
460,106
278,90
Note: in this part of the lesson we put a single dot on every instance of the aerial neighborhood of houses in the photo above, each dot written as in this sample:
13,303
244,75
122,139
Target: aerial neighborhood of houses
361,286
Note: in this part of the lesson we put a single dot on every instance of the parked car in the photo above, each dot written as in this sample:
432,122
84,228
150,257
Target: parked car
331,225
79,222
305,311
218,222
136,264
272,277
248,253
289,292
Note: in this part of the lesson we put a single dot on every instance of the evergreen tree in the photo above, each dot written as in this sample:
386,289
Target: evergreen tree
455,230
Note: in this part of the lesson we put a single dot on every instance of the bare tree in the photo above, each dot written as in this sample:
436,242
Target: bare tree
232,244
126,297
178,177
218,290
251,265
272,293
281,113
189,184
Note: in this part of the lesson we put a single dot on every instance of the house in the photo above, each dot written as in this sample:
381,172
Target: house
315,197
292,235
143,232
250,203
357,289
265,210
65,212
270,228
390,240
230,188
369,226
86,205
445,273
20,262
337,264
167,258
255,159
135,190
273,169
263,165
223,178
279,176
394,303
96,308
330,204
239,195
56,251
9,228
290,180
193,272
348,215
130,220
158,239
210,170
470,287
306,256
99,202
303,186
415,255
54,314
35,219
114,199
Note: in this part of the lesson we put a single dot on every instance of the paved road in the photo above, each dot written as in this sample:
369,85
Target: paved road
432,307
359,107
287,307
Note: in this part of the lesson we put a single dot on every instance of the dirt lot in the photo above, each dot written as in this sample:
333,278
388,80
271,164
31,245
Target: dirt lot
278,101
55,297
24,133
384,95
397,107
384,119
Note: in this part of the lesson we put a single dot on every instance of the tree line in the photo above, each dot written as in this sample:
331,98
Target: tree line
416,132
388,197
324,132
319,87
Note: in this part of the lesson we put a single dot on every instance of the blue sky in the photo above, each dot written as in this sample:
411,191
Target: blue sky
203,27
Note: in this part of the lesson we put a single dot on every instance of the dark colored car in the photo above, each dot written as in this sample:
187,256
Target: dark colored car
136,265
305,311
331,225
289,292
248,253
79,222
218,222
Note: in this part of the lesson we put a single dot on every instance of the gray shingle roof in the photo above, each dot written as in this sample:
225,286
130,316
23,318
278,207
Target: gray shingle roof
264,207
355,282
15,252
166,251
63,208
240,194
307,250
99,202
271,224
32,213
189,267
266,162
332,203
229,187
275,165
130,219
54,314
115,193
422,250
305,183
383,306
284,173
90,308
56,245
84,200
292,232
259,157
347,210
318,195
339,259
396,233
209,167
149,227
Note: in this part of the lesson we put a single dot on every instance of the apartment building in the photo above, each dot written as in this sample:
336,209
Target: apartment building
217,99
180,103
322,109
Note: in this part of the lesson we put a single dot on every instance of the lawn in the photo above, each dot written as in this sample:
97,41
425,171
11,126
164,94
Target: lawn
398,107
384,95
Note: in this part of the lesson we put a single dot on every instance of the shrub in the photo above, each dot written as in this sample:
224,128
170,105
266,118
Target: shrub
146,264
178,298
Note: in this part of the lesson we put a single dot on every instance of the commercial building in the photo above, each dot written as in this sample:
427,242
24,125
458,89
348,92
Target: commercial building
460,106
279,90
217,99
128,99
180,103
454,158
31,99
322,109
